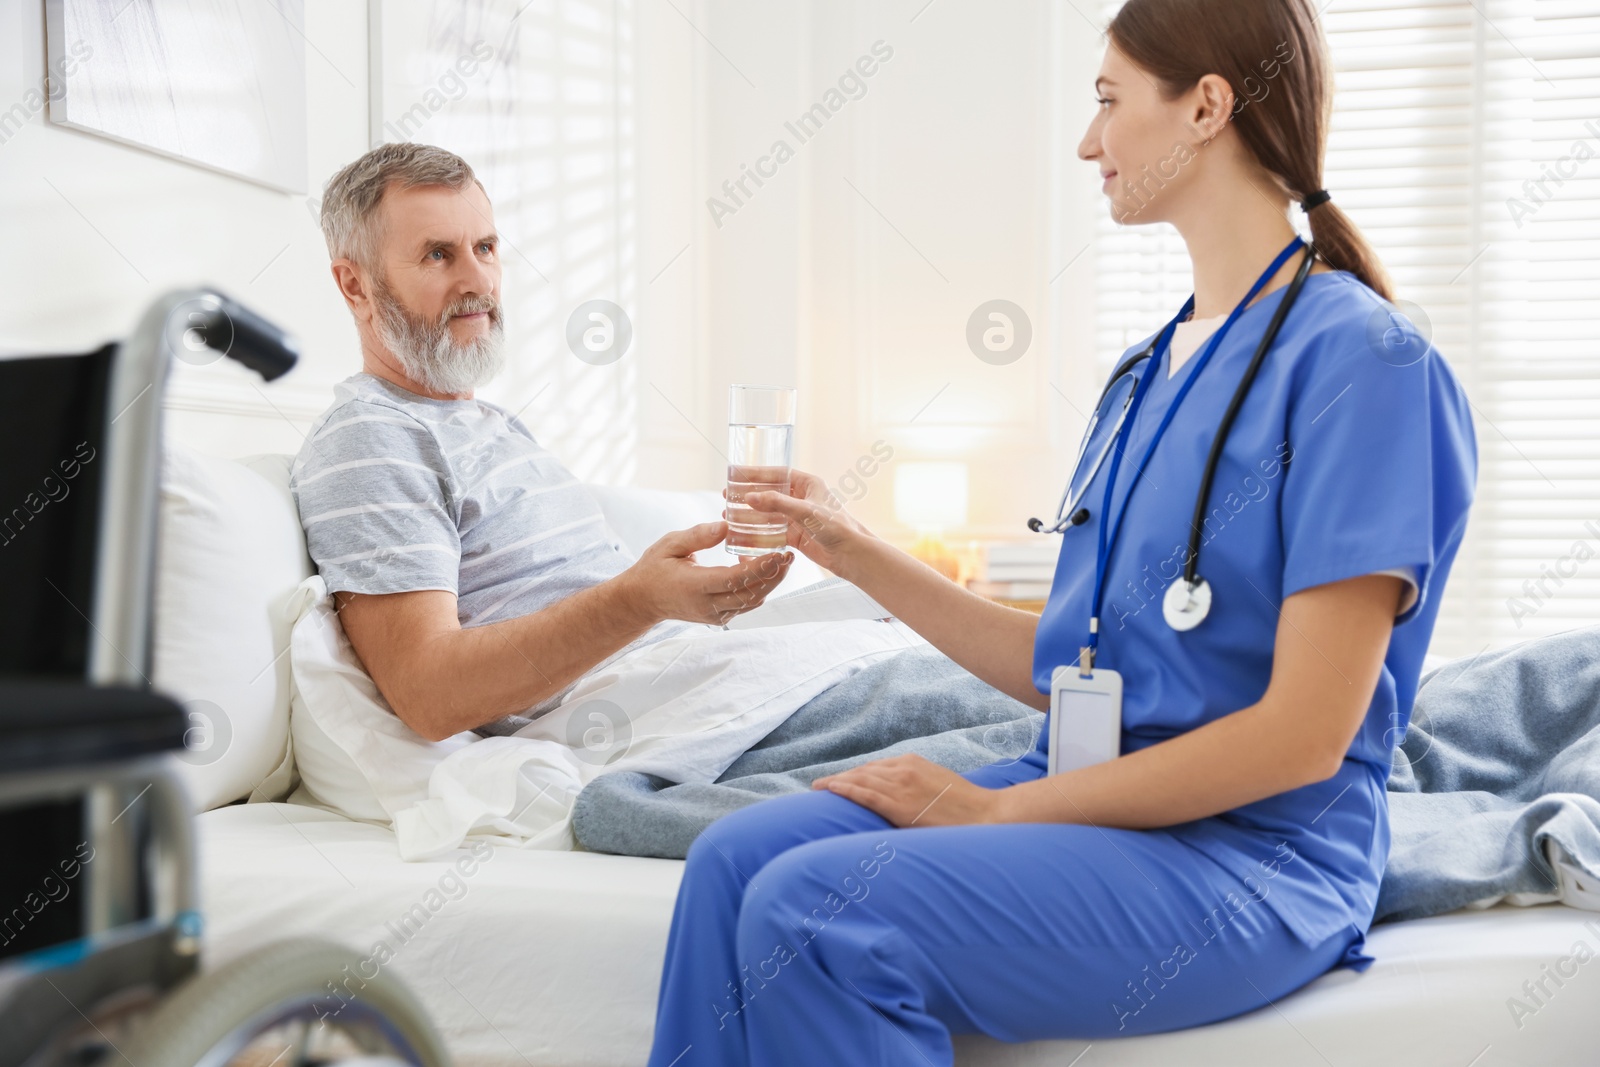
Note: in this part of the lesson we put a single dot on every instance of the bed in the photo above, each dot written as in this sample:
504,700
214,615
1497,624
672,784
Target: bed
551,959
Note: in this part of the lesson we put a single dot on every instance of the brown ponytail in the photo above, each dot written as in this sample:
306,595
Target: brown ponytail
1273,55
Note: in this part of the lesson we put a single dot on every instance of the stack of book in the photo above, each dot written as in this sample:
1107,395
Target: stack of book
1017,571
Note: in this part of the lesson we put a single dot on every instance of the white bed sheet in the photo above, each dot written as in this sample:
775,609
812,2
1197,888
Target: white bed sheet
552,959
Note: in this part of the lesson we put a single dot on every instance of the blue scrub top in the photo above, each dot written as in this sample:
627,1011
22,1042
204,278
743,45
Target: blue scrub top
1353,453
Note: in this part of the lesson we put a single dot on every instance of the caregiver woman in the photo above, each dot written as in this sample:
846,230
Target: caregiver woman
1232,852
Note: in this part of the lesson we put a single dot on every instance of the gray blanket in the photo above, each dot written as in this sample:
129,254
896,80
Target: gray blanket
918,701
1500,767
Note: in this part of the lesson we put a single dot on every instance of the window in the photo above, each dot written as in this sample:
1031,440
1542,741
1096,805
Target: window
1466,145
538,97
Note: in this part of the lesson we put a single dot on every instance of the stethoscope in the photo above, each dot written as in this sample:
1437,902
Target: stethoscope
1187,601
1068,511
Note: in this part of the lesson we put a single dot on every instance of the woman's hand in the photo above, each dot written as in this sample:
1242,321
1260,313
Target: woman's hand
819,526
910,790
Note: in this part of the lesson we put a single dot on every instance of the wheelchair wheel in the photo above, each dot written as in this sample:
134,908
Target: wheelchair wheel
278,1006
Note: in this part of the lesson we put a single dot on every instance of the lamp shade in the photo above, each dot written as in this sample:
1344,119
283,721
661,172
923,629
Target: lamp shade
931,496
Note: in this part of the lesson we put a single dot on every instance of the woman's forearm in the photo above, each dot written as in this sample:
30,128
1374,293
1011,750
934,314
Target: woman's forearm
1327,658
993,642
1229,762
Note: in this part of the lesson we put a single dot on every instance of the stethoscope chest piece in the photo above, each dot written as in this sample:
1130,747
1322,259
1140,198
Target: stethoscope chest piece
1185,606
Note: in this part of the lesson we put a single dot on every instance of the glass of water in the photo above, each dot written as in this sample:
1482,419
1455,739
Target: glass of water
760,453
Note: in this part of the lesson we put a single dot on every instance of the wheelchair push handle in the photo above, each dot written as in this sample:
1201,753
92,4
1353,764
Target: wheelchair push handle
198,326
202,324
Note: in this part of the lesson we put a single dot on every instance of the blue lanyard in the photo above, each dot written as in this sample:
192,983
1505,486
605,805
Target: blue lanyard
1103,552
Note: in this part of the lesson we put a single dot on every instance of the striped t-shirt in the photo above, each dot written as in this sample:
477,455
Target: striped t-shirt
399,492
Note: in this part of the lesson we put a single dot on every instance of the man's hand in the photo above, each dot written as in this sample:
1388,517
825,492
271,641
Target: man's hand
441,679
819,526
911,790
669,584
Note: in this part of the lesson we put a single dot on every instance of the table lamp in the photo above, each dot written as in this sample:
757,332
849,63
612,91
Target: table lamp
932,498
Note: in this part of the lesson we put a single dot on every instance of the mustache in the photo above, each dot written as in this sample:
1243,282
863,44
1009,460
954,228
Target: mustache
471,305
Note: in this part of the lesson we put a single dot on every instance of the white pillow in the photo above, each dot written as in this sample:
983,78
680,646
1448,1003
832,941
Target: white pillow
229,553
354,754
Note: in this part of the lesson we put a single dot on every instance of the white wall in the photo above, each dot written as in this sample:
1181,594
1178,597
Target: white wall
853,272
850,273
98,230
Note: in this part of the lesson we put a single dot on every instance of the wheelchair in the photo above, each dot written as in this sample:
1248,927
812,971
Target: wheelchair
100,927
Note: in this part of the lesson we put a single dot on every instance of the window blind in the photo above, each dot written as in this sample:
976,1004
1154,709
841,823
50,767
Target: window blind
538,97
1465,144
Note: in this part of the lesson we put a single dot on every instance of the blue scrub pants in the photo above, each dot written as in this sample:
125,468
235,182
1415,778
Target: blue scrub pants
810,931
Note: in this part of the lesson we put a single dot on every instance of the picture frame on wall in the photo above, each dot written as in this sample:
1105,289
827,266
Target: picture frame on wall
220,84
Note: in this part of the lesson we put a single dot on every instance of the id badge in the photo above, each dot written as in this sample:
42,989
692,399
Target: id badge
1085,718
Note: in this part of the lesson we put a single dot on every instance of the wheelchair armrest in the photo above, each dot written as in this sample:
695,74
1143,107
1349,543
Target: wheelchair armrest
50,724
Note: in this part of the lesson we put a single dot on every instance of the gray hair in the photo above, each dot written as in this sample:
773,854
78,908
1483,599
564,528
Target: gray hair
350,199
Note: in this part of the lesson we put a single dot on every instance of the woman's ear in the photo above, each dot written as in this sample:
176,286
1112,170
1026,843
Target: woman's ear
1212,107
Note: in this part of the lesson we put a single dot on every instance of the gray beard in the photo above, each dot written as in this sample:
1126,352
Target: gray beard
427,352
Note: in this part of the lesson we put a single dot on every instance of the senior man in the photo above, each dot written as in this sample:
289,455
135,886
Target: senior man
483,591
475,576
